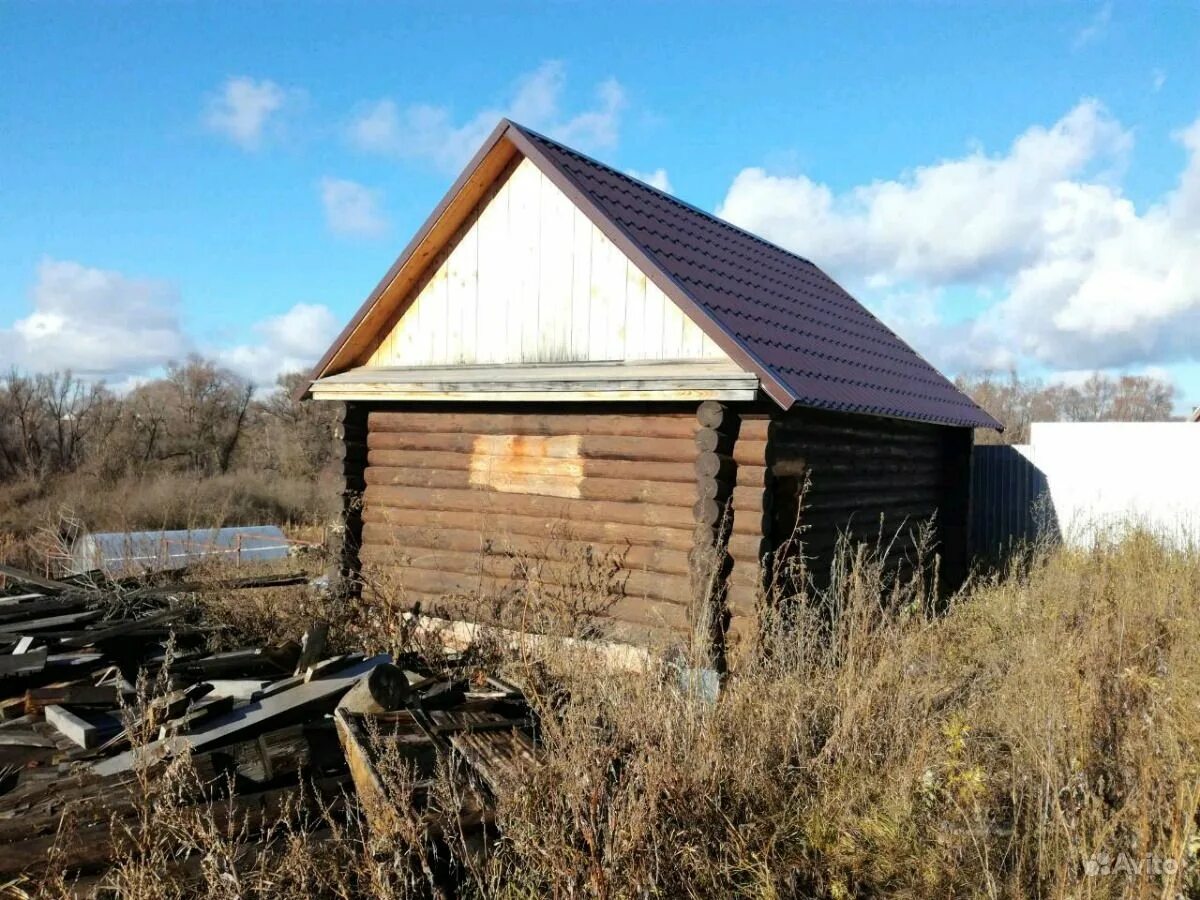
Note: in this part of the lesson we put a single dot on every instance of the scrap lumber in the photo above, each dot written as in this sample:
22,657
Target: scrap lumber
254,715
89,848
500,757
266,729
18,748
48,623
85,732
25,663
238,688
491,734
383,689
228,584
74,694
46,584
123,629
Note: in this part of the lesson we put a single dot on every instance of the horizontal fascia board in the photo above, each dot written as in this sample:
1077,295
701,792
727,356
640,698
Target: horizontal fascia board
544,382
535,396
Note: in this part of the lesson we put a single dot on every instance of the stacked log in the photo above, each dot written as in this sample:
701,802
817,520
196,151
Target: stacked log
478,505
715,474
749,543
350,447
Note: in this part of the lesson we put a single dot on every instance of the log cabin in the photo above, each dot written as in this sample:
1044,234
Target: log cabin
566,360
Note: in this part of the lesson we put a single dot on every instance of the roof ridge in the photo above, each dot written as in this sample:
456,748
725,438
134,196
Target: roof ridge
671,198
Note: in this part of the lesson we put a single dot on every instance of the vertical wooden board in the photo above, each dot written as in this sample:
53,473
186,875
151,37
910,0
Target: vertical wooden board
382,355
607,339
435,318
618,321
656,303
601,296
555,289
524,235
674,322
411,345
709,348
494,285
581,282
693,339
461,294
636,336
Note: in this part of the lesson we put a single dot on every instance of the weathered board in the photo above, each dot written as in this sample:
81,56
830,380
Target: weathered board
530,279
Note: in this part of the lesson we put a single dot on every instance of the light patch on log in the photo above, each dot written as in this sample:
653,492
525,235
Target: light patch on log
502,462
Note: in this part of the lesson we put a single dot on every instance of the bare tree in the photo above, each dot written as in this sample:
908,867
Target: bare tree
208,407
295,438
1018,402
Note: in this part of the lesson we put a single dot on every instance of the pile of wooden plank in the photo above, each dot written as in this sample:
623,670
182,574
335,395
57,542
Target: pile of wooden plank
101,688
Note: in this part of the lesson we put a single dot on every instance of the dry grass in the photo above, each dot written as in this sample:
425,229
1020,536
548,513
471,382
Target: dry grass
1049,717
166,501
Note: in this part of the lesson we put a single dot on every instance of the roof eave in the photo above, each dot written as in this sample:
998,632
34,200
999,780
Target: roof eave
329,361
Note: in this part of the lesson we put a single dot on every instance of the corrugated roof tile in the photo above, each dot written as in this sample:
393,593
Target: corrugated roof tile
815,339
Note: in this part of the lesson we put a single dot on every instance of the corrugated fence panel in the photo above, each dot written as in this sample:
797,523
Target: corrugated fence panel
1005,493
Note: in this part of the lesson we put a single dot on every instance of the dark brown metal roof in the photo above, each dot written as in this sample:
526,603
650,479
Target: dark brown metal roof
795,326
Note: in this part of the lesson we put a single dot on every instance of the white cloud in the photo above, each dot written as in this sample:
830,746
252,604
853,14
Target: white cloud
656,179
95,322
1095,28
1084,278
245,110
106,325
1159,78
429,132
351,208
953,220
288,342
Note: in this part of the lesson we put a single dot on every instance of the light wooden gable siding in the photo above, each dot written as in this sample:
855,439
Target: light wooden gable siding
530,279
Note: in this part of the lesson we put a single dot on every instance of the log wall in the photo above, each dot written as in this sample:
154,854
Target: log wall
350,436
479,504
867,477
469,504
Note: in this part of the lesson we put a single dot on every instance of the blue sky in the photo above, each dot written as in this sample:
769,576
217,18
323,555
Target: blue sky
1007,184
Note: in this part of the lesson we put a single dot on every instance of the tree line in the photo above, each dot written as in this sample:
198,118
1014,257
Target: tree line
198,419
1019,402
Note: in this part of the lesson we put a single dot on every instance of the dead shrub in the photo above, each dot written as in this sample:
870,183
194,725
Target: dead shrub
1039,726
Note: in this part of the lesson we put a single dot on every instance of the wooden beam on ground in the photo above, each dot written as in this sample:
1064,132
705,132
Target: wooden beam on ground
37,699
50,623
254,717
77,729
23,663
123,629
46,584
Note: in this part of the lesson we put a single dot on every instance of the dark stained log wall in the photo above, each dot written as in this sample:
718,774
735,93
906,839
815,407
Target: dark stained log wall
350,435
868,477
458,501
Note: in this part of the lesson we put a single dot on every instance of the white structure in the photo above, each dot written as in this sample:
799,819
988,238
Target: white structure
135,552
1107,476
555,289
